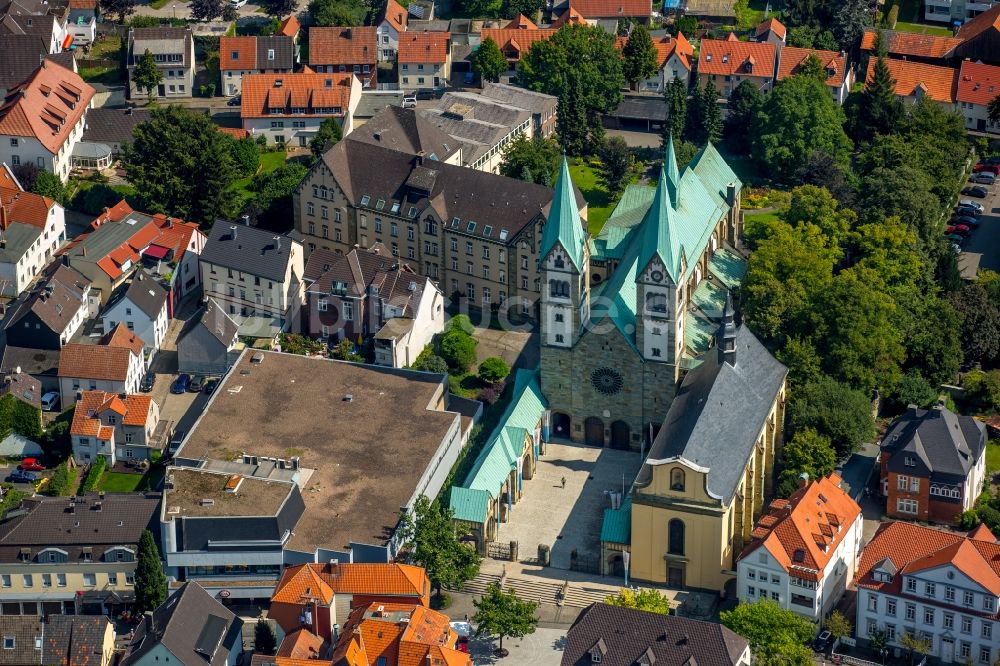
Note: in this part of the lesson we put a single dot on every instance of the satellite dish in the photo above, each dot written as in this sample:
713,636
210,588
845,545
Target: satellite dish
17,370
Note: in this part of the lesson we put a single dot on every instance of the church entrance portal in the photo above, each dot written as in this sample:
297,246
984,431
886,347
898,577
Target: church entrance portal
560,425
620,435
593,431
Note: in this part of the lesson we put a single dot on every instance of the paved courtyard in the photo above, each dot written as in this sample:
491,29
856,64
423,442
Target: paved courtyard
568,518
542,648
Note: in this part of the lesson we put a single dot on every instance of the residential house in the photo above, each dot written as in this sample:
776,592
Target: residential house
916,80
350,49
930,49
290,27
256,276
955,12
209,343
71,555
389,29
107,130
190,627
465,229
981,37
21,55
81,24
115,365
541,106
398,635
32,228
370,293
41,365
424,60
113,426
288,109
35,20
298,645
407,131
515,42
771,31
25,388
933,463
673,58
839,76
607,13
616,636
725,63
804,550
570,16
57,639
935,584
978,85
52,312
173,50
142,307
42,119
225,525
320,596
484,127
239,56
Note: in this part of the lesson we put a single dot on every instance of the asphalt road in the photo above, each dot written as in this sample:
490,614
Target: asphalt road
986,239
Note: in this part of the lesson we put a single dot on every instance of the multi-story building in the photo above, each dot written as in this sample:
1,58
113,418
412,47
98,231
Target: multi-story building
978,85
602,12
57,639
482,125
424,60
804,551
542,107
209,344
42,119
173,51
937,585
474,233
840,77
142,307
933,463
917,80
239,56
398,635
725,63
392,25
955,12
408,131
673,61
515,42
116,365
72,554
350,49
288,109
32,228
256,276
114,427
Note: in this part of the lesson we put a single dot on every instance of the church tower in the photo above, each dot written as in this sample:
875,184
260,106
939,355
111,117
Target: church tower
659,285
565,268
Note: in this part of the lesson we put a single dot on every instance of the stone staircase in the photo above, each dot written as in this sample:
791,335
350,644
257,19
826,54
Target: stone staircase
540,590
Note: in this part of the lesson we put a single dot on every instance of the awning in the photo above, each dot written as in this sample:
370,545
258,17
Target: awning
156,252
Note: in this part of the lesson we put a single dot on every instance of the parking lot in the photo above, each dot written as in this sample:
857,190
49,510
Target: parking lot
986,239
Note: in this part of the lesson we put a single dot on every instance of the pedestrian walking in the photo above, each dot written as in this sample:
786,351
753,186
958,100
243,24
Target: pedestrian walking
564,482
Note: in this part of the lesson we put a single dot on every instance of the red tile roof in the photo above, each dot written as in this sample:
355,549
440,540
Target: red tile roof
290,27
87,416
260,92
398,635
570,16
771,25
7,178
988,20
911,44
417,47
235,132
120,336
911,77
978,83
728,57
343,46
301,644
94,362
83,4
322,581
515,42
237,53
595,9
522,22
396,15
791,58
23,207
47,106
666,46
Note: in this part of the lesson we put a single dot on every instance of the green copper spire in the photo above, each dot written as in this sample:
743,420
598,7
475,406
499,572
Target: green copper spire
659,238
673,175
563,225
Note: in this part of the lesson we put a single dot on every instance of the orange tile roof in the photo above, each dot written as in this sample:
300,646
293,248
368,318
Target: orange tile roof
235,132
400,635
23,207
978,83
665,47
811,523
570,16
86,416
322,581
94,362
301,644
83,4
791,58
728,57
595,9
514,42
395,14
419,47
259,92
301,583
938,83
290,27
911,44
120,336
47,106
343,46
7,178
237,53
982,533
522,22
773,25
990,19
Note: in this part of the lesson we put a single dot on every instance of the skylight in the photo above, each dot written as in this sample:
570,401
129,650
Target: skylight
487,231
365,200
471,228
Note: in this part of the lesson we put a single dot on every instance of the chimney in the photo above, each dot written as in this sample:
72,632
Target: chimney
246,220
727,334
420,158
232,232
277,242
803,479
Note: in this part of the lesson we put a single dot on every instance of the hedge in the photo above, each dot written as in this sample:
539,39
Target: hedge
94,475
20,417
63,482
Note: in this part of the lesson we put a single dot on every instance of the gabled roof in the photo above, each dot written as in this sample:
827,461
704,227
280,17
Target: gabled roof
106,125
395,15
147,294
521,22
306,582
918,79
55,301
290,27
20,55
355,45
70,640
792,58
596,9
570,16
94,362
120,336
667,46
911,44
977,83
20,207
564,225
398,635
407,131
249,249
360,269
424,47
771,25
47,106
312,91
516,42
237,53
660,238
132,408
988,20
729,57
948,445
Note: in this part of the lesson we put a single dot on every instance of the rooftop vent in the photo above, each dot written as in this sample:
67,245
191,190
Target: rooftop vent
348,398
207,502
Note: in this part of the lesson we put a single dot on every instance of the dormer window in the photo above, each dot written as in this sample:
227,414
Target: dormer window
595,657
236,55
598,651
910,461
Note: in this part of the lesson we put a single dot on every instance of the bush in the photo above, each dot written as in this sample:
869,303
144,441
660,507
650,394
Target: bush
431,363
491,393
913,389
458,349
461,322
94,475
62,482
892,17
493,370
246,156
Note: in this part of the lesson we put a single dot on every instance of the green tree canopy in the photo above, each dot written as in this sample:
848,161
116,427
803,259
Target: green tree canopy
776,636
329,135
326,13
980,323
147,75
834,410
616,164
246,156
646,599
503,614
150,581
571,117
880,109
436,546
639,56
493,369
264,639
458,348
488,61
993,110
535,160
206,10
120,9
675,94
808,452
273,198
49,185
744,102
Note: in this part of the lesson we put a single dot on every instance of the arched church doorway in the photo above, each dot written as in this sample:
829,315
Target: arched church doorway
560,425
620,435
527,471
593,431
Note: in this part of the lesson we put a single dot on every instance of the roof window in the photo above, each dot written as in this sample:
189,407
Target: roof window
487,231
503,234
395,207
471,228
708,57
380,204
365,200
455,222
412,212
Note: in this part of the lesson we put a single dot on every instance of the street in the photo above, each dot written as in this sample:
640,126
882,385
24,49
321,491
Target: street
986,239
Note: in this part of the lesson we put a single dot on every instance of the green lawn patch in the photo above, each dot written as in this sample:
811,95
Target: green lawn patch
106,47
600,203
160,4
105,75
922,29
120,482
268,163
760,217
992,457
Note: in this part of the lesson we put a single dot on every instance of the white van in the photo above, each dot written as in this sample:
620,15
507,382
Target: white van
50,401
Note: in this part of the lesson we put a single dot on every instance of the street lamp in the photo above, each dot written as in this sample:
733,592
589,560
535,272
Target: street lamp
174,7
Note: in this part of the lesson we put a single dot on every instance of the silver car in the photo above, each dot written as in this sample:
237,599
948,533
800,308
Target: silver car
984,178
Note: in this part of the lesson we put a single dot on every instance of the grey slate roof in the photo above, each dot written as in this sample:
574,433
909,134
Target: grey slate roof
113,125
147,294
162,41
479,122
284,52
408,132
55,300
717,414
248,249
946,445
18,238
31,361
624,636
373,101
20,55
214,318
522,98
642,108
76,640
192,625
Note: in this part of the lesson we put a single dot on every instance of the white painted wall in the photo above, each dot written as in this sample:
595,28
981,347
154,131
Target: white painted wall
30,149
151,330
387,38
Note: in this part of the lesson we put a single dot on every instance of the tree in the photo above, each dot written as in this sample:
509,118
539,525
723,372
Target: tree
807,37
687,25
616,164
744,102
796,119
993,110
571,117
646,599
344,351
488,61
26,174
273,198
458,348
980,323
431,363
119,8
535,160
436,547
640,56
838,625
776,635
880,109
808,452
914,643
933,342
913,389
849,21
278,8
823,170
835,410
812,67
327,13
484,8
150,581
328,136
711,117
675,94
493,370
49,185
180,164
246,156
503,614
513,8
206,10
147,75
264,639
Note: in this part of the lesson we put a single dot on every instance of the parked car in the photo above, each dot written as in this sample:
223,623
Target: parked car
977,191
148,381
990,160
50,401
180,384
967,220
410,102
470,78
969,203
235,101
21,476
967,210
175,441
984,177
196,385
988,168
823,641
959,229
31,465
956,239
211,384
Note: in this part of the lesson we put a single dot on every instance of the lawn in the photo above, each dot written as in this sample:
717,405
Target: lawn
160,4
600,204
992,457
105,75
106,47
268,163
921,29
121,482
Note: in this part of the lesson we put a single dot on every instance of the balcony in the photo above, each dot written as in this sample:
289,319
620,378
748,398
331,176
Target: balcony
804,602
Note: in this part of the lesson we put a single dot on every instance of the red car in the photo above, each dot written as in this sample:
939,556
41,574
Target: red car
987,168
959,229
31,465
